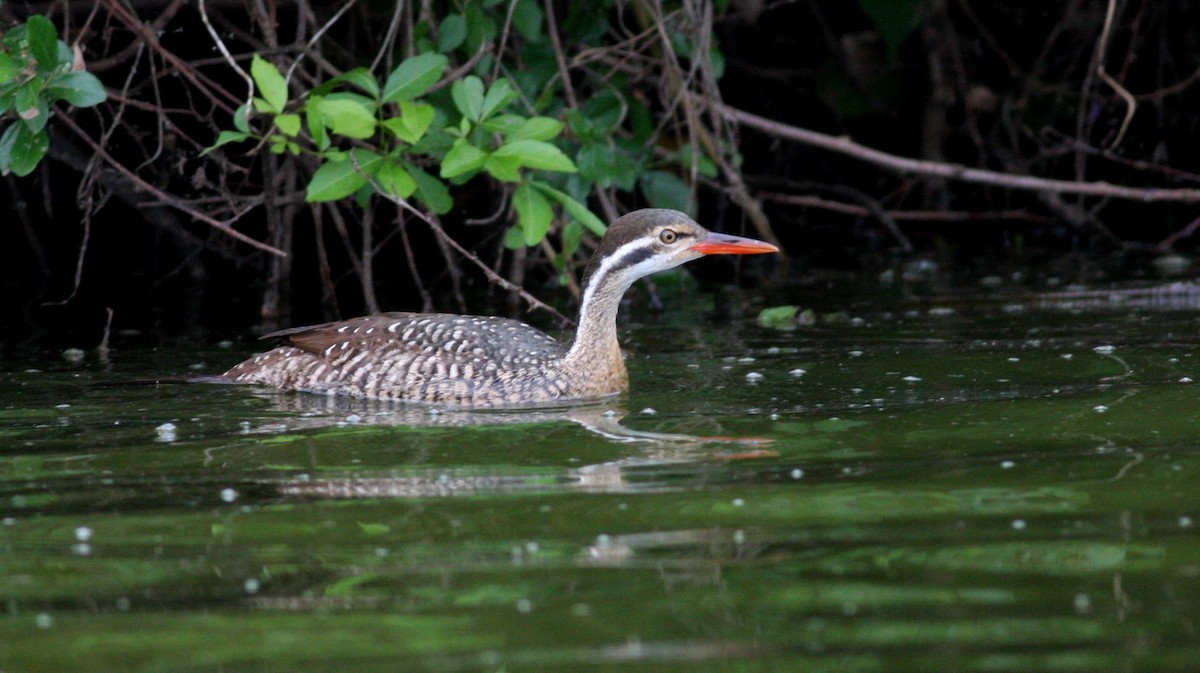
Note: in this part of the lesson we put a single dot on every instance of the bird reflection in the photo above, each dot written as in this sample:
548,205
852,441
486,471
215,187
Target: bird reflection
604,419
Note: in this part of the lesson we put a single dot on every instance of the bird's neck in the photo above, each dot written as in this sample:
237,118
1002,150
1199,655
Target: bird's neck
595,347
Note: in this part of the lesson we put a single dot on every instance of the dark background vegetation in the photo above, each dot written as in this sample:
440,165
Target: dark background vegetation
1013,87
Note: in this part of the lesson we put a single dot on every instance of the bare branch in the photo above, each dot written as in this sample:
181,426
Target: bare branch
844,145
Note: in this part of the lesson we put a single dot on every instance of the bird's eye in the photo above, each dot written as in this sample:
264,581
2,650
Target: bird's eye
668,236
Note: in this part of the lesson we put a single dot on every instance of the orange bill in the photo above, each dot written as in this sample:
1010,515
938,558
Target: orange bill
726,244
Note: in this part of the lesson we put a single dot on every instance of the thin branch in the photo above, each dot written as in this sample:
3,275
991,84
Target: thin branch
1101,48
808,201
168,199
491,275
844,145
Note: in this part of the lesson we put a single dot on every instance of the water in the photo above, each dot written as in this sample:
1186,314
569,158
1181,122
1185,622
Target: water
985,489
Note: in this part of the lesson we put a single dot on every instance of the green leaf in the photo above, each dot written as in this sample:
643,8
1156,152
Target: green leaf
394,180
778,317
463,157
704,165
289,124
574,208
315,121
537,128
21,149
348,118
430,191
572,236
414,77
241,118
225,138
452,33
8,67
270,83
533,213
31,107
597,162
666,190
514,238
413,122
527,19
468,97
81,89
338,179
361,78
504,124
538,154
43,43
499,94
505,169
481,27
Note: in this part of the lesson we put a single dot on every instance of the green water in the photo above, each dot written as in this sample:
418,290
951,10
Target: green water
989,490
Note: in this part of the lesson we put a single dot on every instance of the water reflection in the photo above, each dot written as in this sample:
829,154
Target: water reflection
309,412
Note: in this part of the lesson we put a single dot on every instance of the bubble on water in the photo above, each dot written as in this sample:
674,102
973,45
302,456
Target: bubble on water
1014,359
1007,464
649,411
1083,604
165,432
524,606
251,585
754,377
855,354
1018,524
1104,350
1100,408
83,533
354,418
1066,356
1185,521
911,379
43,620
746,359
81,549
797,473
739,536
798,371
1185,379
229,495
738,502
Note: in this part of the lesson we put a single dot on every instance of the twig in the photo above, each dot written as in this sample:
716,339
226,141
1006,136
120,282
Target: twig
317,35
491,275
168,199
1169,241
844,145
102,347
902,215
225,53
1101,48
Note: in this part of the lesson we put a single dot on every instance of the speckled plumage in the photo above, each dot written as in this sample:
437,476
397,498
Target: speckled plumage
487,361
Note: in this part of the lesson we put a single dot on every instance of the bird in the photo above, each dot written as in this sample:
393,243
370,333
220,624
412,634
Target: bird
485,361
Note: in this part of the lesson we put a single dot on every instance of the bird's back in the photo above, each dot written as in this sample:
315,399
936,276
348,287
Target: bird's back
419,357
